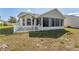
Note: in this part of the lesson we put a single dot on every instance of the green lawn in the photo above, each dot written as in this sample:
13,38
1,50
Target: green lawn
5,27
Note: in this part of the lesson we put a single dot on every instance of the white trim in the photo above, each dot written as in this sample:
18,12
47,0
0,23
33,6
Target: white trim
25,21
52,28
34,22
49,22
31,21
41,21
21,22
34,28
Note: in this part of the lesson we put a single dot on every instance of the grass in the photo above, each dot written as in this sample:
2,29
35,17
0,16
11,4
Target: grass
1,27
6,30
48,33
69,41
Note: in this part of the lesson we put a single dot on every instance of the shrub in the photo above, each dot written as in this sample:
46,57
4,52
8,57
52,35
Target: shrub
48,33
68,26
6,30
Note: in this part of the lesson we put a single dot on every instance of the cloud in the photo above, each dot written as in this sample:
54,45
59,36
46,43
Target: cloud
29,10
77,15
74,13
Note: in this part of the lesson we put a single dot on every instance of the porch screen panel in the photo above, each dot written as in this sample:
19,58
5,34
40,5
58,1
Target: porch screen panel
52,21
33,21
28,21
57,22
23,23
62,22
38,21
45,22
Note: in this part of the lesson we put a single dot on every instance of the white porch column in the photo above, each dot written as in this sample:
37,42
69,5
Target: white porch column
17,22
59,22
25,21
34,22
31,21
50,22
41,21
21,22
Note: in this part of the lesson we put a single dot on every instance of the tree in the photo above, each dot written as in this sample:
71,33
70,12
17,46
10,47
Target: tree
12,19
0,17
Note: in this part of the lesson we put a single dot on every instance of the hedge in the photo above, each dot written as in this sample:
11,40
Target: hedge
48,33
6,30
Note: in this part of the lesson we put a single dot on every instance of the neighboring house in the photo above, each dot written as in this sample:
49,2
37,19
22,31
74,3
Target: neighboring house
71,21
1,22
34,22
5,23
10,24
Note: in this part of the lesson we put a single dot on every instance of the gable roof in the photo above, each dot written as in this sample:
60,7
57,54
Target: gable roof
38,15
53,12
26,13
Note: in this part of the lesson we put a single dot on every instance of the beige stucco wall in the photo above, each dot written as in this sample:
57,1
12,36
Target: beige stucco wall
72,21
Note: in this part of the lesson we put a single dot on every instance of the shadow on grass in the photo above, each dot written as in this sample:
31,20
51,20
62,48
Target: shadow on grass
48,33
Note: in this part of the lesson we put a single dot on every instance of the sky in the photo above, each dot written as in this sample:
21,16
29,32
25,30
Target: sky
5,13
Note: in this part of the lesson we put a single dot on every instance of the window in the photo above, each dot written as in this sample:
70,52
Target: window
45,22
23,23
28,21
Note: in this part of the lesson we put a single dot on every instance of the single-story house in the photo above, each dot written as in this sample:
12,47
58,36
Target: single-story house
34,22
71,21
